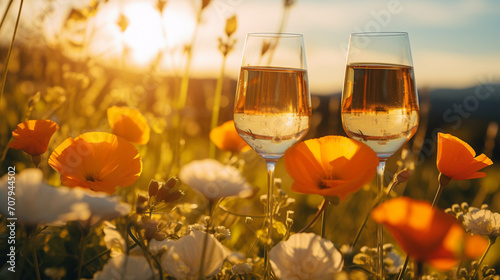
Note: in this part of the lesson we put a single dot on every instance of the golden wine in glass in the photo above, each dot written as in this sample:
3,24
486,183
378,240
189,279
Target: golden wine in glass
379,99
272,107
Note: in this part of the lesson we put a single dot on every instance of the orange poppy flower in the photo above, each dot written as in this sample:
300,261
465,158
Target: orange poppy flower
98,161
129,124
457,160
226,138
33,136
330,166
426,233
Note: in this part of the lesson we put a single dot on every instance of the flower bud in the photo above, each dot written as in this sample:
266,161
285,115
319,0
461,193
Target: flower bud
443,180
150,229
174,196
248,220
465,206
388,247
403,175
490,271
162,193
171,182
36,159
242,268
153,187
475,265
231,25
141,204
333,200
463,272
263,199
277,183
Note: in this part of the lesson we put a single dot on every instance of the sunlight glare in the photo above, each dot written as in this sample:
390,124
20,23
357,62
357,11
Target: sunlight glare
179,24
144,34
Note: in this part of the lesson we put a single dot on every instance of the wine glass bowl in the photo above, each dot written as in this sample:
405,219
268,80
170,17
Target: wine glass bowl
272,105
380,106
380,101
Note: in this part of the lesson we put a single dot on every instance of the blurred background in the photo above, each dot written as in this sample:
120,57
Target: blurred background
72,59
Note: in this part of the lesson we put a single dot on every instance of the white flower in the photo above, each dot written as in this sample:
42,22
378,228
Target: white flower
102,206
183,256
38,203
482,222
125,267
214,179
242,268
113,240
305,256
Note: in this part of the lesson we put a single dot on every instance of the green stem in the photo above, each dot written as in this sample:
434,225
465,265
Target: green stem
491,242
443,181
5,150
322,208
6,68
147,253
379,199
103,254
216,108
80,259
323,221
178,118
36,266
438,194
403,269
5,13
419,270
205,241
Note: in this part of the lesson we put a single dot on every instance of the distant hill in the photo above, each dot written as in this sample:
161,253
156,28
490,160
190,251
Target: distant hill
465,113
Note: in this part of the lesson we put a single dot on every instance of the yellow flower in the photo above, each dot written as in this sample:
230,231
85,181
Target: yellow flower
226,138
129,124
33,136
426,233
457,160
330,166
98,161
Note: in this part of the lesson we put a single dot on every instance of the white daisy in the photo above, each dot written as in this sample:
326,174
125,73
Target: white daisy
214,179
482,222
38,203
183,256
305,256
125,267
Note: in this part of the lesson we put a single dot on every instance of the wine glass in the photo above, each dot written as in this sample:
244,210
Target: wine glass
272,107
379,99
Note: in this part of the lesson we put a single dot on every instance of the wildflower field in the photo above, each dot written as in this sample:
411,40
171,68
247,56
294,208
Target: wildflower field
113,171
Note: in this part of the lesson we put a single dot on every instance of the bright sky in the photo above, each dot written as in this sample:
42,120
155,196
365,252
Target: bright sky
455,43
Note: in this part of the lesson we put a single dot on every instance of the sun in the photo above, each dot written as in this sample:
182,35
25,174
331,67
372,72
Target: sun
143,35
149,32
179,23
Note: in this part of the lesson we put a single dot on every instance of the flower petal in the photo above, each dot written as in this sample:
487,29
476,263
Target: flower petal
226,138
129,124
457,160
330,166
98,161
33,136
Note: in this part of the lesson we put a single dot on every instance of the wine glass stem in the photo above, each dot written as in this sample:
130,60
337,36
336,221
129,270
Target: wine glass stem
380,234
271,164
